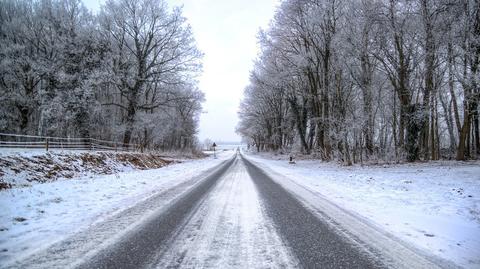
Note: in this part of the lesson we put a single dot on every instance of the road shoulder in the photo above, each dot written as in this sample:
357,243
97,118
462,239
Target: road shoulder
390,250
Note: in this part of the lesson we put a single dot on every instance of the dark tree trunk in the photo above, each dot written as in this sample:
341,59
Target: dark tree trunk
300,123
462,140
24,117
413,128
366,86
129,121
429,83
477,130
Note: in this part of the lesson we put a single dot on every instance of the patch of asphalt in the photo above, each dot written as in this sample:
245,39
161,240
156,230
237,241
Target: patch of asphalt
229,230
315,243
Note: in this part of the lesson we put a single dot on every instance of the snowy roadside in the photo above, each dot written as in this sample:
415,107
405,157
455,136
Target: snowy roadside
434,206
26,167
32,218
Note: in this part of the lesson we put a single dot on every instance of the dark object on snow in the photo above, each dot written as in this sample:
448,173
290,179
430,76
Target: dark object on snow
19,219
214,155
291,160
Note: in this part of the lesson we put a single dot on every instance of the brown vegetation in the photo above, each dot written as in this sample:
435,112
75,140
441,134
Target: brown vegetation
53,166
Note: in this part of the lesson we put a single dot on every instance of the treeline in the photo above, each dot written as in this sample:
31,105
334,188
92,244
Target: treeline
125,74
367,80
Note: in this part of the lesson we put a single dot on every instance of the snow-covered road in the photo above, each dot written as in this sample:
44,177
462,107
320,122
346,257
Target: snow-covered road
236,217
230,212
229,230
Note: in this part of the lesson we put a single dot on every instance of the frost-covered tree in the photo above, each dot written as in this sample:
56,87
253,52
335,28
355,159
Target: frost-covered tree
124,74
368,79
152,50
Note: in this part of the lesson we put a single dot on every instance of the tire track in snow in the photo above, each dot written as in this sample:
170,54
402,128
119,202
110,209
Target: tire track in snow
229,230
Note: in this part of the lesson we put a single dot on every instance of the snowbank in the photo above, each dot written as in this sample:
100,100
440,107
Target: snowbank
435,206
24,168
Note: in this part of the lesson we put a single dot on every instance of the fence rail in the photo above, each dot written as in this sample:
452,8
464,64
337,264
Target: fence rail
70,143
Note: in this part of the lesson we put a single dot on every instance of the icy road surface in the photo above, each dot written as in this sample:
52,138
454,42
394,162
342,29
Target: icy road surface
236,217
229,230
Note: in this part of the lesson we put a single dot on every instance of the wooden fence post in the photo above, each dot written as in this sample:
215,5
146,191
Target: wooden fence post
46,144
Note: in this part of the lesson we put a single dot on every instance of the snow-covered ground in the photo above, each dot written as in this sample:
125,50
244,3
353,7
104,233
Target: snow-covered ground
32,218
434,206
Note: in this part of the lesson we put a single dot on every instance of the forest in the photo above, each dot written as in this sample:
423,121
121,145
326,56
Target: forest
127,73
367,80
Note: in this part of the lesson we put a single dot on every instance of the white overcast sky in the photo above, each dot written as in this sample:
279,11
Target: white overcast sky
226,32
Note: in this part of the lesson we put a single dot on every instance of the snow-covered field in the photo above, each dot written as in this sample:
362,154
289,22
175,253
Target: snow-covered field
434,206
32,218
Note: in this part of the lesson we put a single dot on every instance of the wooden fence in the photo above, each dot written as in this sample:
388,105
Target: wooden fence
17,141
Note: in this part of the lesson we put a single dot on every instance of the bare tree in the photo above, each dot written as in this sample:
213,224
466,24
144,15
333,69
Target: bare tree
150,46
363,79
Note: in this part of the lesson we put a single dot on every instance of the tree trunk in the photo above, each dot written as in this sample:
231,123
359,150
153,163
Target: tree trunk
300,124
429,72
476,130
447,110
24,117
462,140
433,124
366,81
326,150
394,128
130,120
413,128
